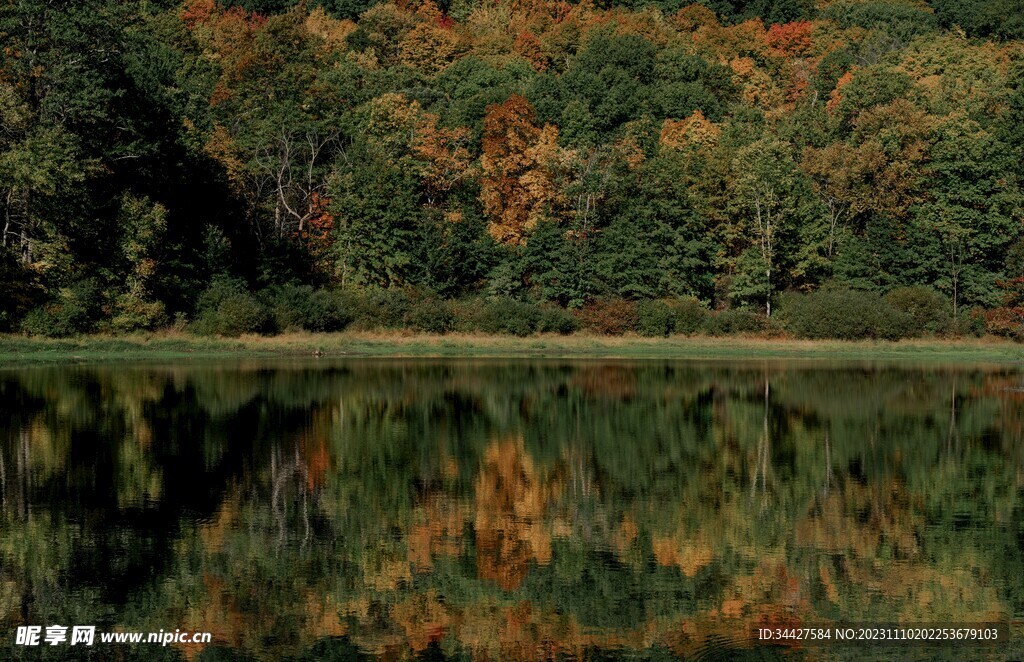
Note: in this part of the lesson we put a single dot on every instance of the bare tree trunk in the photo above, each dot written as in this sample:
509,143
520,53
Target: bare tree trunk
828,463
7,215
26,239
763,450
3,483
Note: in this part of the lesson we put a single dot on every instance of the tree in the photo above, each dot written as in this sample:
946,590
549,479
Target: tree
376,206
970,210
767,190
144,235
519,163
657,244
278,129
607,85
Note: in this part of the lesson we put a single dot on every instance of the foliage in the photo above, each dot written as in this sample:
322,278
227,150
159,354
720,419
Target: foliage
928,309
226,308
664,317
302,307
554,319
1008,319
554,153
77,309
654,318
430,314
734,321
379,308
502,315
850,314
612,317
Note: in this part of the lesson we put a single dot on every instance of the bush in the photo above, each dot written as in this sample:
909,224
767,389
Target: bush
327,312
302,307
733,321
226,308
134,313
518,318
76,310
654,318
505,315
612,317
844,314
1005,321
1008,319
688,315
667,316
430,315
928,310
19,291
378,308
554,319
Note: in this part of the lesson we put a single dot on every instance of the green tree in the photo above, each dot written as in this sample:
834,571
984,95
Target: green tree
971,207
769,207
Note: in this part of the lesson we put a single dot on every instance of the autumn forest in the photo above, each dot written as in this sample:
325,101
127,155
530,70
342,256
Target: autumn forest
836,169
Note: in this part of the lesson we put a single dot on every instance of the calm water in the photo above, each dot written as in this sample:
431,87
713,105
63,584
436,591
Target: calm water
504,510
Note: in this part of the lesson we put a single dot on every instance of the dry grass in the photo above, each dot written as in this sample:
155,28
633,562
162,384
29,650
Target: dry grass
170,345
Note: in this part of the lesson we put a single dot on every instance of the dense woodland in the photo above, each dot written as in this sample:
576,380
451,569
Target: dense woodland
839,168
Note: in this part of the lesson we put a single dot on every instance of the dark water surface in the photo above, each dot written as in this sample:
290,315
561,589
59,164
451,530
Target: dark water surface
507,510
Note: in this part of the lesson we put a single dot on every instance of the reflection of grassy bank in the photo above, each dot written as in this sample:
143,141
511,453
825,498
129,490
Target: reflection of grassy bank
21,350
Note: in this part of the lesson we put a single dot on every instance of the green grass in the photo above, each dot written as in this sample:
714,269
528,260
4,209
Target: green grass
21,350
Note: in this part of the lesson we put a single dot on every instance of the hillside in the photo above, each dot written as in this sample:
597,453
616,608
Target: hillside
271,165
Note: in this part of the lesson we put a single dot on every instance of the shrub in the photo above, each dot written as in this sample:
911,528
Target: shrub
377,307
733,321
19,291
843,314
688,315
134,313
505,315
302,307
288,305
663,317
612,317
430,315
555,319
467,314
226,308
1005,321
1008,319
654,318
241,313
493,315
928,310
518,318
327,312
76,310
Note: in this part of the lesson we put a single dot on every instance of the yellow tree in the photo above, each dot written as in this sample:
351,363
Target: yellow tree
520,162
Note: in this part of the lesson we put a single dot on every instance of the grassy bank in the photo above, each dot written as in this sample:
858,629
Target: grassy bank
20,350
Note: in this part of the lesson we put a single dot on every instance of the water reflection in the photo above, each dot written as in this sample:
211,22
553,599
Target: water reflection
506,510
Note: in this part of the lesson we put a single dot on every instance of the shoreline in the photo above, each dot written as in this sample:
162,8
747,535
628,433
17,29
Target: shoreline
22,350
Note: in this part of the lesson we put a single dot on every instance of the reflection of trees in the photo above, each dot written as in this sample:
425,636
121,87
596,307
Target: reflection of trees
508,510
284,474
759,473
511,506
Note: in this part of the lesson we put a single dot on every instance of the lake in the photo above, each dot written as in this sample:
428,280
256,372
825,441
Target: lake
508,510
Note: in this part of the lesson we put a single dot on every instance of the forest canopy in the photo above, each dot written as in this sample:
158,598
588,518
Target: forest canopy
521,166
